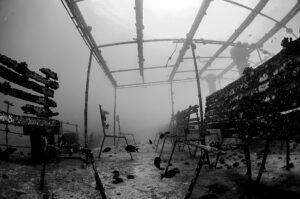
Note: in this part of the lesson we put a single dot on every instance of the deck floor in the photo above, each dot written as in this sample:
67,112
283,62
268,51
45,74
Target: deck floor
72,179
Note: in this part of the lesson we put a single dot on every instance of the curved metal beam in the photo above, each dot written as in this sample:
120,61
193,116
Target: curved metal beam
78,20
175,40
139,32
201,13
260,13
269,34
261,4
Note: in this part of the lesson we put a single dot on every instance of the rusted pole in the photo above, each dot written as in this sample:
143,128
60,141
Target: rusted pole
193,47
172,102
115,107
86,98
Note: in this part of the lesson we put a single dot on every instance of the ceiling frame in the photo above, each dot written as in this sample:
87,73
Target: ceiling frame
268,35
261,4
84,30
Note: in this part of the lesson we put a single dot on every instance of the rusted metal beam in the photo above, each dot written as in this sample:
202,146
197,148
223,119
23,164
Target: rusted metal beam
145,68
260,13
139,33
174,40
189,36
273,31
236,33
85,32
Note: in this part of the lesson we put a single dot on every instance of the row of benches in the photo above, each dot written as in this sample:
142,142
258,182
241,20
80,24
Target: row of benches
264,103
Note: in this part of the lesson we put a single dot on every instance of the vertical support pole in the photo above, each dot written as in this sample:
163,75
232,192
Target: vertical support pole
172,102
194,180
6,125
193,47
86,98
264,160
115,107
259,55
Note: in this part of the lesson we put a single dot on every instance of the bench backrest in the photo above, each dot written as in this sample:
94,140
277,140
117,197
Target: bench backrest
103,119
187,121
268,95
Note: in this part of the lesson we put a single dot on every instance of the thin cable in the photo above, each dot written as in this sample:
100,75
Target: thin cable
171,55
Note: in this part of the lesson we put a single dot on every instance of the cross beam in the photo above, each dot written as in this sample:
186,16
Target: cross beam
139,32
190,35
175,40
269,34
261,4
155,83
146,68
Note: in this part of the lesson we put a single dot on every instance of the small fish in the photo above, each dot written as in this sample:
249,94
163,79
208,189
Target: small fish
130,176
236,164
130,149
170,174
118,180
161,136
107,149
150,141
186,163
157,161
4,176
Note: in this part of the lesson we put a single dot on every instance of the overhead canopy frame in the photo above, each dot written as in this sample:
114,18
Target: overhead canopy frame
84,30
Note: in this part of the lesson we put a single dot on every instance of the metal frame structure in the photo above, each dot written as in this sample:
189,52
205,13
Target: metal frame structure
85,32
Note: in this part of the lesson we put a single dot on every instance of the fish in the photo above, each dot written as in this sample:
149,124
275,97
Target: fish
161,136
236,164
130,149
130,176
150,141
186,163
118,180
107,149
170,174
157,162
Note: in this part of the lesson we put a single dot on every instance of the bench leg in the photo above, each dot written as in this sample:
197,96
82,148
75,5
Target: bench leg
248,161
162,147
127,145
194,180
264,160
101,147
157,145
217,160
171,155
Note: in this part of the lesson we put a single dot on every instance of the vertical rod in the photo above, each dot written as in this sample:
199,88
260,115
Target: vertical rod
259,55
220,85
193,47
86,98
172,102
115,107
264,160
